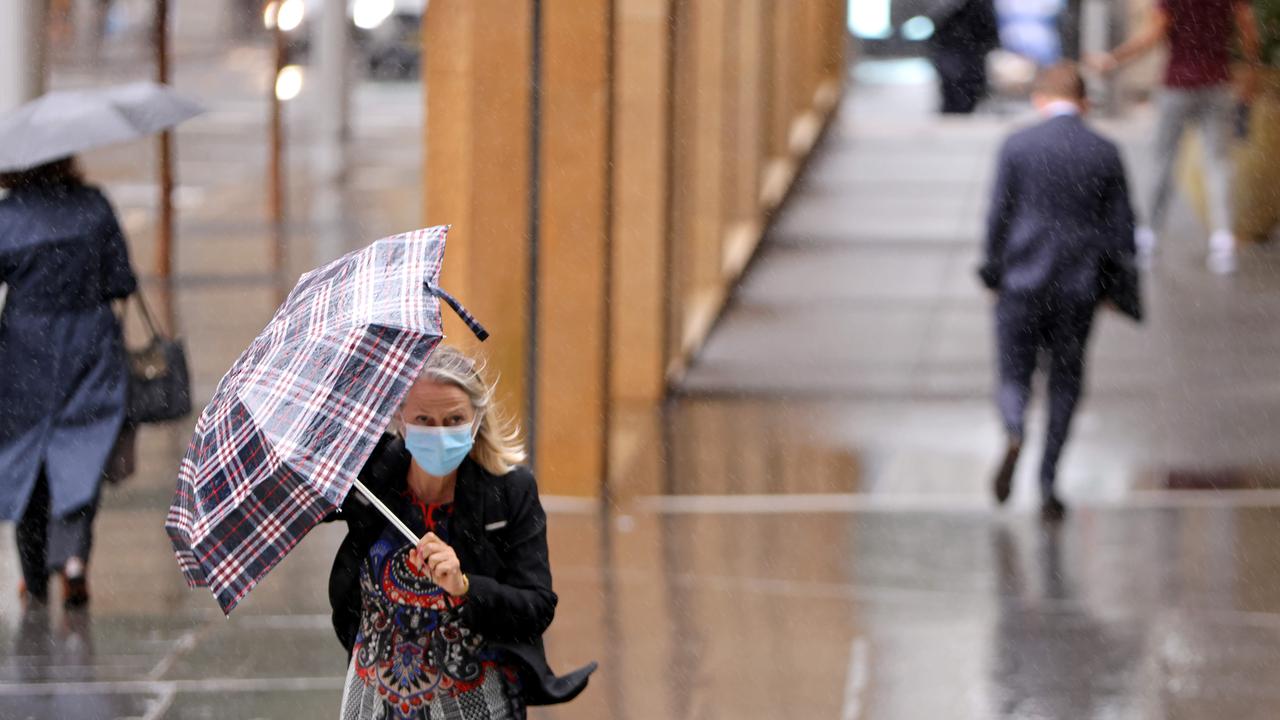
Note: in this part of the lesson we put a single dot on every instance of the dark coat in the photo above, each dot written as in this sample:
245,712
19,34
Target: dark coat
967,27
499,532
1061,226
62,366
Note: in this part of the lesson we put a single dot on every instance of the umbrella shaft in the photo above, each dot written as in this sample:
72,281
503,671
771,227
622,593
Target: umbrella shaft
387,512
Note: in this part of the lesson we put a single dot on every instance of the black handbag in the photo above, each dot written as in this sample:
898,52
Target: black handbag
159,382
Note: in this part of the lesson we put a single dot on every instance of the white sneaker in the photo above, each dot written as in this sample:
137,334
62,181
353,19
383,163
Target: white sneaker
1222,253
1144,238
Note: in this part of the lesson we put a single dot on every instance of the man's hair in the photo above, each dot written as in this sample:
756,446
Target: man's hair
1061,81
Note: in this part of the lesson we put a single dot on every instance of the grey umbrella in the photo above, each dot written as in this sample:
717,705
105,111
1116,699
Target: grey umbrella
63,123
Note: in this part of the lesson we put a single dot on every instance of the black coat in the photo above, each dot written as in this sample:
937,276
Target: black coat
1061,225
499,531
968,27
62,360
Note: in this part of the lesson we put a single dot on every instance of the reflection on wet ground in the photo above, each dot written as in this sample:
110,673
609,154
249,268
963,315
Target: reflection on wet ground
805,531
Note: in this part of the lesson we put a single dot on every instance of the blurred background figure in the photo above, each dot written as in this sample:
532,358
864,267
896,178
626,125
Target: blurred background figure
62,392
1197,89
1060,214
1258,176
965,31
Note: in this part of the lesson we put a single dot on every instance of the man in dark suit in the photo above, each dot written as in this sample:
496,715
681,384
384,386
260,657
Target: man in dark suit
1059,242
964,32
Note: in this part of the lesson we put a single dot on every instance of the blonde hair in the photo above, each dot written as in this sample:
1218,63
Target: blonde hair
498,447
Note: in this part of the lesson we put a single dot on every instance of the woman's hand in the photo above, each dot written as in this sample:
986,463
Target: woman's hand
442,564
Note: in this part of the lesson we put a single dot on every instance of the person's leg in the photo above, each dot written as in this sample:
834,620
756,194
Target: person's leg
1217,127
1174,108
32,541
1017,344
950,90
1069,336
975,84
70,542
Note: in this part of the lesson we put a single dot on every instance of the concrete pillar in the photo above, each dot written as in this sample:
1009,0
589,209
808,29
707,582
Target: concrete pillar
477,142
333,93
22,41
574,245
599,236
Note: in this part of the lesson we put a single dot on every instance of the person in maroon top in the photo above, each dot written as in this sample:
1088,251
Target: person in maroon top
1197,88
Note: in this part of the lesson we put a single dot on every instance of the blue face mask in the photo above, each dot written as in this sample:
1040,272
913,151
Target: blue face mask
439,450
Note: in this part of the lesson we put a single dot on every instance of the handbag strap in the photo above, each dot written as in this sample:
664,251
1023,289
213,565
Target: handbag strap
147,318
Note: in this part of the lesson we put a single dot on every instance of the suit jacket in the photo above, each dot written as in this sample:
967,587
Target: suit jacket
1061,225
500,534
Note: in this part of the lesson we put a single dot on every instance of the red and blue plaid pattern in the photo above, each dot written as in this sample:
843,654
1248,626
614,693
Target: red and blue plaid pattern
295,418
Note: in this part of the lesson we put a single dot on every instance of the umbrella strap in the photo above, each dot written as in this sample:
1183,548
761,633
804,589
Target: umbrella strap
467,317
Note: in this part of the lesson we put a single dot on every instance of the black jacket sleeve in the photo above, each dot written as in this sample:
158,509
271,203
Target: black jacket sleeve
118,279
517,603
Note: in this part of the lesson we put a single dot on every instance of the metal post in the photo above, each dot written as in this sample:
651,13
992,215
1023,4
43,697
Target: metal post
164,239
332,100
535,227
275,169
1069,30
1101,23
22,51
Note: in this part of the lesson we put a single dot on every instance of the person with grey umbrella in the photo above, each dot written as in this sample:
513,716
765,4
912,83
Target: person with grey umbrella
1059,243
62,392
63,260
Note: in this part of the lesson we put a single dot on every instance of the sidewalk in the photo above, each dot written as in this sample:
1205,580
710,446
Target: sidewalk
820,543
867,293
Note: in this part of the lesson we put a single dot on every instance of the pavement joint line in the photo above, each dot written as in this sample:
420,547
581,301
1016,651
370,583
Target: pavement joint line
162,705
817,589
968,503
856,680
206,685
185,644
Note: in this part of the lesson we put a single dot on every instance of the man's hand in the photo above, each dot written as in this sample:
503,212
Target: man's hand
1102,63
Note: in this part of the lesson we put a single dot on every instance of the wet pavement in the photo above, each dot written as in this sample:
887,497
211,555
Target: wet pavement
806,530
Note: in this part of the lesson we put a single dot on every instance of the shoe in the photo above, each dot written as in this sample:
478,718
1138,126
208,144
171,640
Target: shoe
75,592
31,600
1052,510
1222,253
1144,239
1002,484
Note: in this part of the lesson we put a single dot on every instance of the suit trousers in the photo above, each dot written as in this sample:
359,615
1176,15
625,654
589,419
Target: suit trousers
1027,328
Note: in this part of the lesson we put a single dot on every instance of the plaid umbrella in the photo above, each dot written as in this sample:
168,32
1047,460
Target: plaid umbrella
295,418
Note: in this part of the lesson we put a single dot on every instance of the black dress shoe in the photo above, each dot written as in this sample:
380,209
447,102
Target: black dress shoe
75,592
1002,485
1052,510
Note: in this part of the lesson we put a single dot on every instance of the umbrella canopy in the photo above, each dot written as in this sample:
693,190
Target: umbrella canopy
296,417
67,122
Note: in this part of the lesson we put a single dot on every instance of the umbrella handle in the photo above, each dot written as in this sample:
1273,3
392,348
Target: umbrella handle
398,523
387,512
467,317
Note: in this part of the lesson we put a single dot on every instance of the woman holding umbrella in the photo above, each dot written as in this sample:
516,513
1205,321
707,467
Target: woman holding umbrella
452,627
62,391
